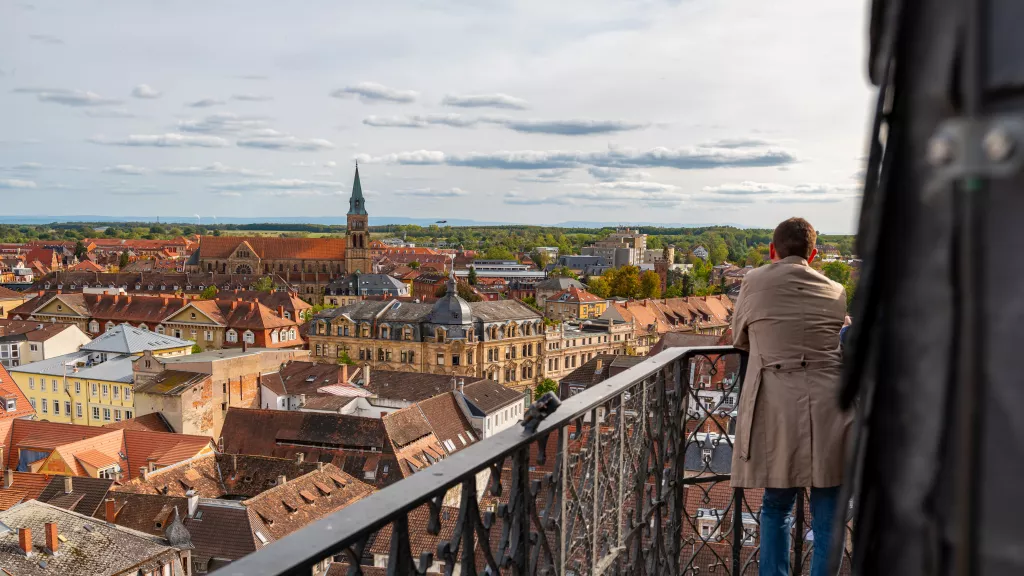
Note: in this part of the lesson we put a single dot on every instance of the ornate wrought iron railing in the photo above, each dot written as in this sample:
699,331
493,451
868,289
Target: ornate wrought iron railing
631,476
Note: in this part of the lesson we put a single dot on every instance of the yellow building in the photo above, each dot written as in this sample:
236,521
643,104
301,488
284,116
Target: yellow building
94,385
574,304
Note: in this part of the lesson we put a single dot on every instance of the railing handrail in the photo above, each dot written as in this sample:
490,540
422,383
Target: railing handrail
294,553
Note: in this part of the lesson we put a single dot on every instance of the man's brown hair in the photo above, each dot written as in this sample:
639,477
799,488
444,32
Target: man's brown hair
794,237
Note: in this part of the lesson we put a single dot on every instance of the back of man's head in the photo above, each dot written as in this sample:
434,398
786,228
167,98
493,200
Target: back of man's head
794,237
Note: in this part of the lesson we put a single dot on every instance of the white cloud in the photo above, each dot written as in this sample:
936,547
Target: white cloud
228,194
224,123
301,192
215,169
64,97
17,184
573,127
281,184
372,92
127,169
245,97
206,103
418,157
304,164
28,166
108,113
46,39
783,193
286,143
170,140
330,164
432,192
145,91
496,100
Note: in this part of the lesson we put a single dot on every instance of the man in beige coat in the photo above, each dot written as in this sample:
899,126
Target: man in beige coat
790,432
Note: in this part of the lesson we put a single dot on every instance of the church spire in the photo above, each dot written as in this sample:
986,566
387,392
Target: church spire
356,204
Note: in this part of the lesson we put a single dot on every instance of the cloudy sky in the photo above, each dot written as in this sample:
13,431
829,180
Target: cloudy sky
687,111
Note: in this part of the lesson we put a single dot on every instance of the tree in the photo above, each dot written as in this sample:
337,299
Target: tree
625,281
564,272
110,231
687,285
414,264
472,276
197,349
208,293
539,258
344,359
598,286
80,250
123,260
754,257
498,253
463,290
851,287
532,303
674,291
264,284
650,285
837,271
547,385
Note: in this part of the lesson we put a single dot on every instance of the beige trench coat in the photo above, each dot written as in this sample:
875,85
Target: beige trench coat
789,430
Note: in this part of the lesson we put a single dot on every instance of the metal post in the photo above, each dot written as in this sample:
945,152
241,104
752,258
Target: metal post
622,465
737,529
798,539
563,443
596,486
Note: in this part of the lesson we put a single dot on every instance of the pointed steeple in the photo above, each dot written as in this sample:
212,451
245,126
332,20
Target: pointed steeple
356,204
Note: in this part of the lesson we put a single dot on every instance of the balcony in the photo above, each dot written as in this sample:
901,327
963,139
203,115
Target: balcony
629,476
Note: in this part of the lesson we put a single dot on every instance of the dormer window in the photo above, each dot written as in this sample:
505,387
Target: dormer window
11,404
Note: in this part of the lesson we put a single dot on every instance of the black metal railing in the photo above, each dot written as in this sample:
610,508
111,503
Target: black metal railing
630,476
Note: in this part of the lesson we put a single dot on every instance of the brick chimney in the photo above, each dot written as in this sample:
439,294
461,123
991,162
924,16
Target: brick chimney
110,510
280,311
68,487
25,540
52,542
166,300
142,472
252,306
128,299
234,304
600,363
8,478
115,298
282,480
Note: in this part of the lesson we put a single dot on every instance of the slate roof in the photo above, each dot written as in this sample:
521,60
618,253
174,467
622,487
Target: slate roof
269,248
86,497
125,339
129,280
366,284
225,529
91,548
346,441
397,311
217,475
408,386
502,310
117,369
299,502
488,395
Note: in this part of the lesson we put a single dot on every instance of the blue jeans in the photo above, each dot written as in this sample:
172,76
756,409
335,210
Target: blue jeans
777,522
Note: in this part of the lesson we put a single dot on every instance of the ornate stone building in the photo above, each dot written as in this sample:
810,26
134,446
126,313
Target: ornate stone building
307,264
500,340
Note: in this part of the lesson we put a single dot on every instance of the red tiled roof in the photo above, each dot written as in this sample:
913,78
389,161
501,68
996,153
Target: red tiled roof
10,390
45,435
8,294
87,266
95,458
160,448
274,248
574,295
31,484
11,496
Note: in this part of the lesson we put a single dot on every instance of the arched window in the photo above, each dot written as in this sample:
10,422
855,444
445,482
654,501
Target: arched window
231,335
249,337
291,334
94,326
441,334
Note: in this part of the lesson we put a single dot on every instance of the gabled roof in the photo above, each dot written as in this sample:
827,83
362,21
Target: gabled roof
488,395
408,386
152,422
144,448
93,547
575,295
125,339
448,422
299,502
8,294
86,496
274,248
9,390
249,431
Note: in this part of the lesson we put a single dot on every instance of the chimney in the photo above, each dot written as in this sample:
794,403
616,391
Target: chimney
252,306
280,311
319,465
110,510
245,345
8,478
600,363
239,299
282,480
68,488
128,299
344,379
115,298
366,375
462,385
299,457
234,304
193,502
25,540
42,292
234,462
52,542
142,472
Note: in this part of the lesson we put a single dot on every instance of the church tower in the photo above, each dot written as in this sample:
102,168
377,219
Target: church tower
357,248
